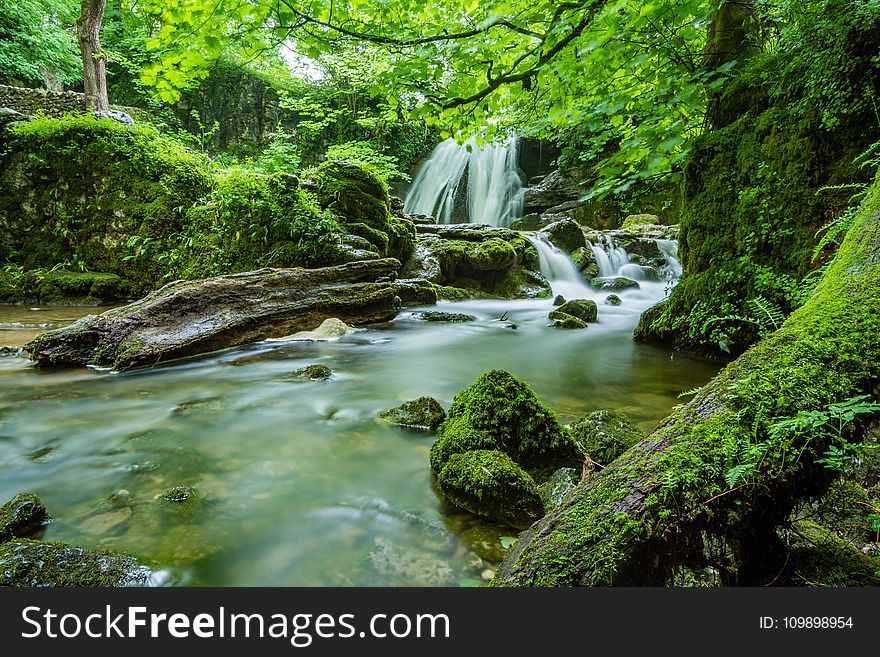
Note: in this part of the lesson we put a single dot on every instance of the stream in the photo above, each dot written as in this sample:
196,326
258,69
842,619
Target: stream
297,484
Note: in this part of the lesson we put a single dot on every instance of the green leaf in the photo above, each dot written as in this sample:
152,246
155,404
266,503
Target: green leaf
508,542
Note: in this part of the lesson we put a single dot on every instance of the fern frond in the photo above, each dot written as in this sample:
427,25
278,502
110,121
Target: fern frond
736,473
770,312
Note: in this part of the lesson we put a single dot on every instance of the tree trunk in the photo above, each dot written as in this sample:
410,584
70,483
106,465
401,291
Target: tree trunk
732,35
88,28
665,503
187,318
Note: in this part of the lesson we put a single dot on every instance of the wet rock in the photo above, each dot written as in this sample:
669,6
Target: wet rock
490,484
424,414
437,316
641,220
530,222
180,494
116,115
566,235
187,318
615,283
22,516
416,292
566,321
452,293
108,522
559,300
314,372
421,219
605,435
10,351
422,265
33,563
585,260
410,568
584,309
613,300
483,539
560,483
497,441
330,329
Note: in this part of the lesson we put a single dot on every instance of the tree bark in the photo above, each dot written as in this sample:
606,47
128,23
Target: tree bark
665,503
88,28
187,318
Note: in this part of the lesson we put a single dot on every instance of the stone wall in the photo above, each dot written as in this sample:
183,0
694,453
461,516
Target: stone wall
52,103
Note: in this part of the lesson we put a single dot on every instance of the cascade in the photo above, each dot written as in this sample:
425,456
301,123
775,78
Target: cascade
483,180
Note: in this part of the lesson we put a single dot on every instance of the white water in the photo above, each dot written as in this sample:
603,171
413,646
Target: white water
565,279
494,186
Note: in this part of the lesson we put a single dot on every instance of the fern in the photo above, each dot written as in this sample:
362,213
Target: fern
736,473
834,229
769,310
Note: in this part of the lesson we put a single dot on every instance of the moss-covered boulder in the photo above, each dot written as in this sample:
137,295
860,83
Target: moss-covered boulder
354,192
500,413
21,517
605,435
83,288
489,483
566,235
614,283
613,300
415,292
422,414
585,310
450,318
565,321
32,563
585,260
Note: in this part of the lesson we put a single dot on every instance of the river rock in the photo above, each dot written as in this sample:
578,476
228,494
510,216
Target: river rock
437,316
605,435
330,329
584,309
529,222
409,567
423,414
615,283
416,292
566,235
641,220
33,563
490,484
565,321
560,483
558,300
187,318
613,300
498,425
585,260
314,372
22,516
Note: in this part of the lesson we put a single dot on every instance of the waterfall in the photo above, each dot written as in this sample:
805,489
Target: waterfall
611,257
494,188
669,248
562,274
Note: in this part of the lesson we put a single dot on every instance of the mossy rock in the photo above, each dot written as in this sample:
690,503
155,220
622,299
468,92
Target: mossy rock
494,254
378,239
613,300
605,435
565,321
567,235
821,558
498,411
22,516
560,484
314,372
453,318
452,293
585,310
489,483
422,414
522,283
416,292
83,288
32,563
614,283
354,192
641,220
401,238
585,260
844,509
529,222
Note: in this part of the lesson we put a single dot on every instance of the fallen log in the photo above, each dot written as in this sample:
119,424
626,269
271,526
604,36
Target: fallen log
187,318
716,479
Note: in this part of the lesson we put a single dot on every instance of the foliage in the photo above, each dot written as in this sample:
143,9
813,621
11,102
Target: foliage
366,153
282,153
36,41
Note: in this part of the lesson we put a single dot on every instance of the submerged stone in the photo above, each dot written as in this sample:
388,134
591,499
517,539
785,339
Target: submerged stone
22,516
437,316
314,372
32,563
180,494
424,413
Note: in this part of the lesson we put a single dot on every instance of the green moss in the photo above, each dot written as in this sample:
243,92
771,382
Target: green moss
315,372
490,484
492,255
501,408
566,321
450,293
354,192
605,435
377,238
585,310
401,238
82,288
32,563
424,413
821,558
613,283
566,235
21,516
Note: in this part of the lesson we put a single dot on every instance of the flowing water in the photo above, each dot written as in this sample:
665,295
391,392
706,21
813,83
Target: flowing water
298,485
469,183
